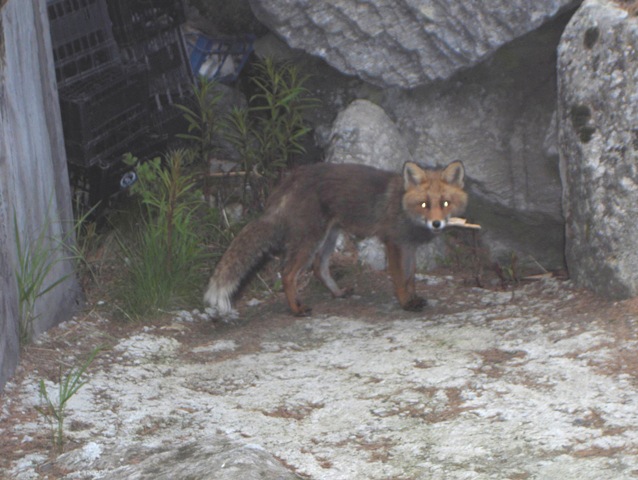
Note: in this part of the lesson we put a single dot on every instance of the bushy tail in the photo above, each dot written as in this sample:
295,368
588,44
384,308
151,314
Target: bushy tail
245,251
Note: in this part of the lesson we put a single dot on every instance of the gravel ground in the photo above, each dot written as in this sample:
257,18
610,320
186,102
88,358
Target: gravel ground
539,382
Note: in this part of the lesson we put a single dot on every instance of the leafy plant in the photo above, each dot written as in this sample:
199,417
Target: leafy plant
279,104
164,257
201,117
36,260
54,409
203,123
240,134
510,272
268,134
85,235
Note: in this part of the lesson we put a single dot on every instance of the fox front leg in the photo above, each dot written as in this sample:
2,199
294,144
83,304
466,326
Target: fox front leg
402,267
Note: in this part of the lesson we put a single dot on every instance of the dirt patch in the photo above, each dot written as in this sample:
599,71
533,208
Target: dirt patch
538,381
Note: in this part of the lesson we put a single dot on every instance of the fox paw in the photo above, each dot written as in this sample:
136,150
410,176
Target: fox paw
302,311
415,304
344,292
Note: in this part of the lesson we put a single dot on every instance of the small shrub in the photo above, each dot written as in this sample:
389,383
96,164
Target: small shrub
201,117
54,409
165,256
269,133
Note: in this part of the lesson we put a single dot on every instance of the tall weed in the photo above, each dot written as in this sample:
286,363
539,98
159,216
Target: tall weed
203,125
268,134
201,117
37,258
278,108
52,408
165,255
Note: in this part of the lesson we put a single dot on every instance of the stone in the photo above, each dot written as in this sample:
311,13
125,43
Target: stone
404,43
363,133
211,457
499,118
598,138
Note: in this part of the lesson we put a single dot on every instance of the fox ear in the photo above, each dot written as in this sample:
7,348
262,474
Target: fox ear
454,173
412,175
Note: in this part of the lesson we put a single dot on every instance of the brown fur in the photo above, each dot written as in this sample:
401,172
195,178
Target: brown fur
305,214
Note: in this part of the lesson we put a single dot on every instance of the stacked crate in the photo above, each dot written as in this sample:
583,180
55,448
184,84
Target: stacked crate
120,67
148,32
83,43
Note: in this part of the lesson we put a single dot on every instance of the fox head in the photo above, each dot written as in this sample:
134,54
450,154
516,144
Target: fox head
431,197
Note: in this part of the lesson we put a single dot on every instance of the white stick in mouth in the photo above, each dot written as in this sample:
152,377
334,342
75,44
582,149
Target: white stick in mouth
461,222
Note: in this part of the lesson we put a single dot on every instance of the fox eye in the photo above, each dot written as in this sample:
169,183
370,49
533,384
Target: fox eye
424,205
445,204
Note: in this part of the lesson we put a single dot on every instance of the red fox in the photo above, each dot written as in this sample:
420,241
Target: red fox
306,212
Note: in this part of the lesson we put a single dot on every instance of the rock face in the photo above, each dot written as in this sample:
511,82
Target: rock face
598,133
499,118
403,43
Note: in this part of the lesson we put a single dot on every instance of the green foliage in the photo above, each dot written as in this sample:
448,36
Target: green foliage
165,255
510,272
278,106
164,258
201,118
86,239
54,409
36,259
269,132
239,133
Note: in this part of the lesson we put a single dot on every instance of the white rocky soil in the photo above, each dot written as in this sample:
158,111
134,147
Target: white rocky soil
535,383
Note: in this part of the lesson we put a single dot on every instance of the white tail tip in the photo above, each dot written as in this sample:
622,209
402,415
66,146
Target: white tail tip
218,298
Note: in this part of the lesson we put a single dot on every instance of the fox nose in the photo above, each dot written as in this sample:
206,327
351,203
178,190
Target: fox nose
436,224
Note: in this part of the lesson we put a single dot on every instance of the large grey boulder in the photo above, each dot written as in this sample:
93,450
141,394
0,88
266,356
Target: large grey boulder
499,118
363,133
598,132
403,43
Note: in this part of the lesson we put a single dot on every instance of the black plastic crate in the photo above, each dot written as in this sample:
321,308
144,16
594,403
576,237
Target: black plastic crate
82,39
75,67
169,121
88,107
169,70
71,19
162,52
135,21
165,58
175,86
117,137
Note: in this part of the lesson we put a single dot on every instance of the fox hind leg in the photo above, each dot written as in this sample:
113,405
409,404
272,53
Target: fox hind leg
296,260
321,264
